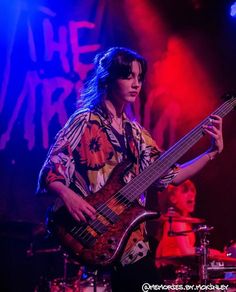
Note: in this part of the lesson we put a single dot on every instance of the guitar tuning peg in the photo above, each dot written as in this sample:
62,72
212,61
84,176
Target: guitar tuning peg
228,95
103,256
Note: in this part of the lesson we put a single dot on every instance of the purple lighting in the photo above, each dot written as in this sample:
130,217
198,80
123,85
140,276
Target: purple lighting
233,10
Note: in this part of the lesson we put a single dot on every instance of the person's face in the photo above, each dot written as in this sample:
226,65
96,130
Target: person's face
126,90
184,200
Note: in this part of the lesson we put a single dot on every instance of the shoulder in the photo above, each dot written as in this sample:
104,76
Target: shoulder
75,126
144,134
77,117
136,127
81,118
140,129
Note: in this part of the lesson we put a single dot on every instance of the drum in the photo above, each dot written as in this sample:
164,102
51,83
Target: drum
179,269
89,285
231,252
231,249
224,266
76,285
231,284
59,285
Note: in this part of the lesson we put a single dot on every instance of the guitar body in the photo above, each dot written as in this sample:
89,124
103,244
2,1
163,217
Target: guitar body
100,242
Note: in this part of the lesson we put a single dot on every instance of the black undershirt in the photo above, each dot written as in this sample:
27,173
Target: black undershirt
121,140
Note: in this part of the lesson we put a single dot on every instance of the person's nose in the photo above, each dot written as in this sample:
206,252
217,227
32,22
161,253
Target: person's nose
136,83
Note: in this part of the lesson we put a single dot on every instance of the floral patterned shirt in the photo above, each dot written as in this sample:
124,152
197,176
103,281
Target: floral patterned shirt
86,151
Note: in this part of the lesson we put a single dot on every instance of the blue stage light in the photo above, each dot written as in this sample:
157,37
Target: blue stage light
233,10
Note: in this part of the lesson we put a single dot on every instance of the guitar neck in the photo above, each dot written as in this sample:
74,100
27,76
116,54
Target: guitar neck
167,159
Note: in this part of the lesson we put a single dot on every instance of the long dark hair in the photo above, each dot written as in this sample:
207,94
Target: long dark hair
110,65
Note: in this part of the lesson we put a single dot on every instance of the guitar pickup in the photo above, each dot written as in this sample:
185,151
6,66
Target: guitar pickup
98,226
106,212
80,233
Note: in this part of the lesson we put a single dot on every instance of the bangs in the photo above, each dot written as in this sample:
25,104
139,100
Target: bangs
122,67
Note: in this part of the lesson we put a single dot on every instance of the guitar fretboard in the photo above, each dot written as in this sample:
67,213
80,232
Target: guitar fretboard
158,168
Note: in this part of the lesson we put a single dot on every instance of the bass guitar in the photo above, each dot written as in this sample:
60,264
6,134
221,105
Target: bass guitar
101,241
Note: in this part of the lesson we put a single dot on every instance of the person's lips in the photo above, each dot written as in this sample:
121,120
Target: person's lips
133,93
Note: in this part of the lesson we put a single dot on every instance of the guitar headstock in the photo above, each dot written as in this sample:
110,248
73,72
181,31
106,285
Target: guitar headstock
230,96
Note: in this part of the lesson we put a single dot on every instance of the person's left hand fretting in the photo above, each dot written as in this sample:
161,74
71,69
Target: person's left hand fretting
214,129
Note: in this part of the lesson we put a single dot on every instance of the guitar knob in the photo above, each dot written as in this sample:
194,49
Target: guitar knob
111,240
112,248
104,257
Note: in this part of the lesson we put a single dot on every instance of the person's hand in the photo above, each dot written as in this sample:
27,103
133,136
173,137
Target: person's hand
76,205
214,129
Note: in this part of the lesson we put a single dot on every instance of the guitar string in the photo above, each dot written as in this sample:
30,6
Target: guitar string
180,142
196,129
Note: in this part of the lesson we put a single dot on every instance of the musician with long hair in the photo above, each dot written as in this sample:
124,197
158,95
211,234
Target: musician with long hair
98,137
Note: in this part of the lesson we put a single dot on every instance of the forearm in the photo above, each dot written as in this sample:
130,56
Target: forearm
214,129
192,167
59,189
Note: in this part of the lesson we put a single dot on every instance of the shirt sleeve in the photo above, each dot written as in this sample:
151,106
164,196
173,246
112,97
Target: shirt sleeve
59,164
163,182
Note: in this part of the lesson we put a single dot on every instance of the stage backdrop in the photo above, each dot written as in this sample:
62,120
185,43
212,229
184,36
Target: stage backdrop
47,49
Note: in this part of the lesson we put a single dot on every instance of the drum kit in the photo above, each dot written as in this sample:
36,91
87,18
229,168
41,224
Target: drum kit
202,267
205,266
63,273
84,281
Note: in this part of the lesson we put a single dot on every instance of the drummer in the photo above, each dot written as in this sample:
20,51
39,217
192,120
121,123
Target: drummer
182,201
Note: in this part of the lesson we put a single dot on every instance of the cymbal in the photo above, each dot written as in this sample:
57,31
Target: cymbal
191,259
222,258
220,281
178,218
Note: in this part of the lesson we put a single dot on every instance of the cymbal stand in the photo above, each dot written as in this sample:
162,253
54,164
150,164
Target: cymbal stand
170,220
203,251
65,272
171,232
65,268
94,278
95,275
65,278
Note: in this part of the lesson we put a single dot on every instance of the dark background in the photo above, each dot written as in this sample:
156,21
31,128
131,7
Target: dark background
204,51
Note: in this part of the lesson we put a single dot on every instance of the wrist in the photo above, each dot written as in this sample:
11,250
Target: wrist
58,188
211,154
